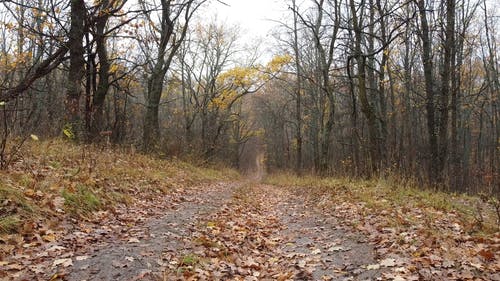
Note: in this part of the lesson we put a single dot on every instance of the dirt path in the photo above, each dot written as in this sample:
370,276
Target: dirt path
328,251
243,231
141,255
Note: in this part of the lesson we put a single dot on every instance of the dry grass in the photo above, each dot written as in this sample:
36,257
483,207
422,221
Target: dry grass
384,195
57,178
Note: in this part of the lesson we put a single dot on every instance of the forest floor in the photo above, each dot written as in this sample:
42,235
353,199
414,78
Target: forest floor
108,215
242,231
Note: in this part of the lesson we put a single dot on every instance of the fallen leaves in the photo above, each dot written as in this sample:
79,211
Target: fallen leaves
239,240
316,252
62,262
417,242
14,266
487,255
244,238
336,249
388,262
81,258
250,238
133,240
56,248
49,237
373,267
41,190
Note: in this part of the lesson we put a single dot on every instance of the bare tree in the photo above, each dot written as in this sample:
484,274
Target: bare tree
168,34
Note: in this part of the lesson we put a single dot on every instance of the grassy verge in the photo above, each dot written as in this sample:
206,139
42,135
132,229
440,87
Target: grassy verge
378,196
56,178
429,235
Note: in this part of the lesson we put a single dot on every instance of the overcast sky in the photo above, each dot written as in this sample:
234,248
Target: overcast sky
256,18
252,15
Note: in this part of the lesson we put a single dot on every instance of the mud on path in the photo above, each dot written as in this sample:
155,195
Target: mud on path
242,231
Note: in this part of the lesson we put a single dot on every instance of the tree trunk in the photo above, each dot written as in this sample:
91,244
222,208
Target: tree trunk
429,89
151,133
298,93
167,47
98,121
366,107
76,67
446,77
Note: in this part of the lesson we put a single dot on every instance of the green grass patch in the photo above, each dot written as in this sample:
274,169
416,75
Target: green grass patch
9,224
15,208
14,199
82,201
189,260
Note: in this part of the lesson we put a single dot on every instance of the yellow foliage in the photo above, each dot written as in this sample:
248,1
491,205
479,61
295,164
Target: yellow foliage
278,62
239,76
239,79
9,26
223,100
114,68
14,62
68,131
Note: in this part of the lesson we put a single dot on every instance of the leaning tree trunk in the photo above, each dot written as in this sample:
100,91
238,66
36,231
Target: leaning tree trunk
168,45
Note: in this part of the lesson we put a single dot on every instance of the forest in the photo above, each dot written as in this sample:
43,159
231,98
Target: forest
355,88
155,140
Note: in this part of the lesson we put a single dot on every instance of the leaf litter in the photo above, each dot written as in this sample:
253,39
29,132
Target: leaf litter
265,233
413,242
61,201
83,247
223,231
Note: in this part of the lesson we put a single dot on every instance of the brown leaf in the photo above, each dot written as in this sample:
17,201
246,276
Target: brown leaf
388,262
133,240
15,266
62,262
487,255
49,237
